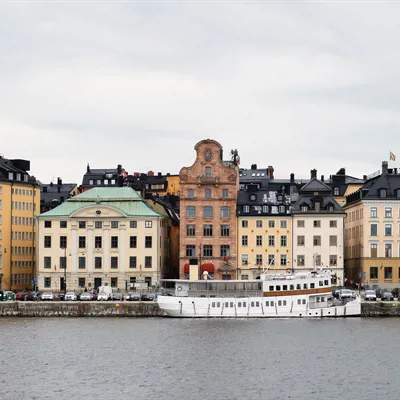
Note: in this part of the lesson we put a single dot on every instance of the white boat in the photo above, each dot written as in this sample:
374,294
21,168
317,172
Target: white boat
271,296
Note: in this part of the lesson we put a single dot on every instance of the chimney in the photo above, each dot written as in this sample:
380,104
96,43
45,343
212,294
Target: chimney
119,168
159,174
253,166
59,181
313,173
322,178
364,178
384,167
51,183
88,168
150,173
292,177
395,171
168,174
270,172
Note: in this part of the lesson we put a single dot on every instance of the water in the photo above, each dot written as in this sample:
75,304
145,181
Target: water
110,358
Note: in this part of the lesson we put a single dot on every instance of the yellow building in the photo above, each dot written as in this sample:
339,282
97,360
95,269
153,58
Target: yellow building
372,231
19,203
173,185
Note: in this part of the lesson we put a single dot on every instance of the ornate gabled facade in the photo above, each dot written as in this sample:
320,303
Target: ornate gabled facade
208,193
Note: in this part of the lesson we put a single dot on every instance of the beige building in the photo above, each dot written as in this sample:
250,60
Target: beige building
372,231
104,236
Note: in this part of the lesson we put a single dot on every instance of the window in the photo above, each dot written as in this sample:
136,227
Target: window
388,272
332,240
388,212
225,193
207,250
246,209
132,262
148,262
245,224
47,224
374,250
190,250
253,197
207,193
317,224
283,240
225,250
332,224
98,224
373,212
300,240
259,240
271,240
133,242
81,282
47,282
374,229
382,193
304,208
63,242
245,240
259,223
207,230
114,224
271,259
300,261
318,260
148,242
284,224
47,242
259,259
191,212
133,224
225,212
82,224
63,262
283,259
245,259
300,223
225,230
207,212
336,191
82,262
98,242
271,224
190,193
82,242
373,272
388,250
114,262
47,262
63,224
114,242
98,262
208,171
149,224
333,260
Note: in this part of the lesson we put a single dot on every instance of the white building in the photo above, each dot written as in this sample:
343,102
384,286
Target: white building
102,236
318,240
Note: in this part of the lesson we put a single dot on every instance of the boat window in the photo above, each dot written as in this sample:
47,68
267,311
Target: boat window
321,283
192,286
291,287
240,304
218,304
240,286
244,304
267,304
312,285
279,302
231,304
230,286
317,299
213,304
252,304
304,301
298,301
326,283
284,302
277,288
305,286
272,303
226,304
298,286
284,287
257,304
271,288
322,299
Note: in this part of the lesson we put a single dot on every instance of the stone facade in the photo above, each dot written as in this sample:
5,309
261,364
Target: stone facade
208,191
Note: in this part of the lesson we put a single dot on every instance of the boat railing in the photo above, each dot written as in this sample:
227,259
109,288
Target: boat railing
225,293
326,304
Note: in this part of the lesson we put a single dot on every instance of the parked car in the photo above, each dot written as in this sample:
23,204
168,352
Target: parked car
32,296
71,296
345,294
387,296
102,296
21,296
370,295
47,296
117,296
61,296
132,296
86,296
147,297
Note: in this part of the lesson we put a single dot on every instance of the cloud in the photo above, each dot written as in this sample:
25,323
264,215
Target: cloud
293,85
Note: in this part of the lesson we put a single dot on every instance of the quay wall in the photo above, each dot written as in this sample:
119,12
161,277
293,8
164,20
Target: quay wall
380,309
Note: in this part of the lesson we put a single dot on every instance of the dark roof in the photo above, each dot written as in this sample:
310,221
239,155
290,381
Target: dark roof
16,167
314,185
54,192
109,174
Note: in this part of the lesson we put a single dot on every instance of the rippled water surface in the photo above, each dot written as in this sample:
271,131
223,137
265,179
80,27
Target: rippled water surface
99,358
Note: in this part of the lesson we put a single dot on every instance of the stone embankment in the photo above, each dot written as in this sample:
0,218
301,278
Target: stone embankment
380,309
79,309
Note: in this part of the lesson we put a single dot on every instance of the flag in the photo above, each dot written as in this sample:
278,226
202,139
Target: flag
392,157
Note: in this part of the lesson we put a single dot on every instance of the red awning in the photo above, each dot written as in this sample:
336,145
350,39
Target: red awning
208,267
186,268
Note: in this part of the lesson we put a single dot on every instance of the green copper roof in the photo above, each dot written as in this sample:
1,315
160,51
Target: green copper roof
125,200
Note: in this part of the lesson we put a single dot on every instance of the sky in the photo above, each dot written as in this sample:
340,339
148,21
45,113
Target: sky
296,85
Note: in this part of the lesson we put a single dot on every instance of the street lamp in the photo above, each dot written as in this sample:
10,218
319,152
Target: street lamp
65,271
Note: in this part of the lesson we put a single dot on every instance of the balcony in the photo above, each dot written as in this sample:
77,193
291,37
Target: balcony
208,180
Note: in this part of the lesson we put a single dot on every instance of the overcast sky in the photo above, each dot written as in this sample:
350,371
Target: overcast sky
290,84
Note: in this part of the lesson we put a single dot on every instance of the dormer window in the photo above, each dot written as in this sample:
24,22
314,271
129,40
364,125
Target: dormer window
304,208
398,193
18,177
253,197
382,193
336,191
10,176
246,209
26,178
317,206
330,207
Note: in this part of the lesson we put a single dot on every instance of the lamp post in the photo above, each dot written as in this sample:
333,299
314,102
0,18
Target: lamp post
65,271
200,262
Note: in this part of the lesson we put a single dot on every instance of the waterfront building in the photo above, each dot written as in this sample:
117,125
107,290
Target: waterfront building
53,194
19,204
208,194
99,237
318,230
372,230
